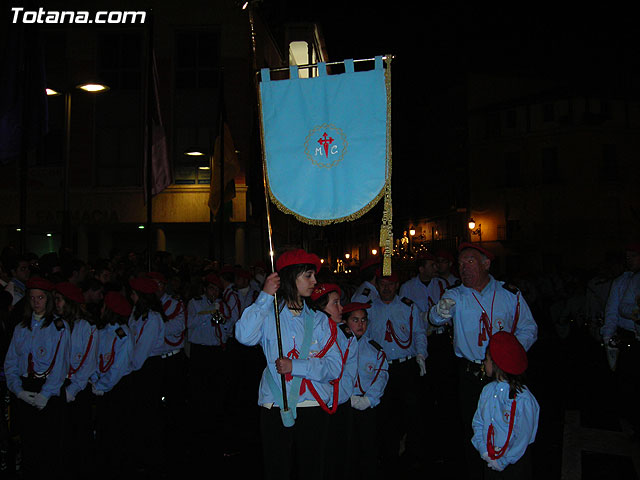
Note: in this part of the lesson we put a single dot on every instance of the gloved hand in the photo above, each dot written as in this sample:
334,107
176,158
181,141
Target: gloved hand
493,465
444,307
40,401
420,362
360,403
70,398
485,457
27,396
98,393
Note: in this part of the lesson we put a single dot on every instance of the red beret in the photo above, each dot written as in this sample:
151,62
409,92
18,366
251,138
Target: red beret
40,284
633,247
157,276
445,254
370,262
507,353
353,306
298,257
477,247
117,303
324,289
242,273
213,279
427,256
144,285
392,278
227,269
70,291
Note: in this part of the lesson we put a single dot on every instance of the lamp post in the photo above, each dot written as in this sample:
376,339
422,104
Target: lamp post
475,231
412,233
66,217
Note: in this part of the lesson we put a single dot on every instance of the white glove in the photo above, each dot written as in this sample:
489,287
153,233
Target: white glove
70,398
444,307
360,403
40,401
485,457
27,396
420,362
98,393
493,465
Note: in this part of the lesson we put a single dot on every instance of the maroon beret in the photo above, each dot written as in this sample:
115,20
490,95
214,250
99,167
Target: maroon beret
427,256
633,247
40,284
445,254
324,289
70,291
392,278
157,276
117,303
353,306
507,353
477,247
370,262
242,273
213,279
298,257
143,285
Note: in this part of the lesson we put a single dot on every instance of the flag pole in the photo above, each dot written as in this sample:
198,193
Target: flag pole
149,143
285,403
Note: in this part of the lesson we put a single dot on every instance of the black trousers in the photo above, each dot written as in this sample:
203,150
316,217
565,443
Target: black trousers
338,438
470,385
399,406
297,452
78,433
364,447
147,422
40,433
113,425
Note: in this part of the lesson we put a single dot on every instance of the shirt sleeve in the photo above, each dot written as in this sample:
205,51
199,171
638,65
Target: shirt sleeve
80,378
56,377
249,328
123,354
376,389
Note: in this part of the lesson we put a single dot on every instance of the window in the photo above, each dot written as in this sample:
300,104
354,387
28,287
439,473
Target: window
197,59
120,60
512,169
197,110
549,165
609,163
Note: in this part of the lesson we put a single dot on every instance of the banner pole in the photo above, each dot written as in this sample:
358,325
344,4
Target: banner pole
285,403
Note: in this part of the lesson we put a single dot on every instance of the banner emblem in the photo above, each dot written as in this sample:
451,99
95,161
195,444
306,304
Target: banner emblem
325,146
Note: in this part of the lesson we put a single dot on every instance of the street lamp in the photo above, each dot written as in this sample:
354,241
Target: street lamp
90,88
475,231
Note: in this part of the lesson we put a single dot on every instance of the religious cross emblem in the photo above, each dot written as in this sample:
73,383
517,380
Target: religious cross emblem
506,415
325,142
325,145
42,352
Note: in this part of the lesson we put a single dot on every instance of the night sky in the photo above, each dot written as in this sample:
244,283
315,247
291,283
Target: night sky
436,43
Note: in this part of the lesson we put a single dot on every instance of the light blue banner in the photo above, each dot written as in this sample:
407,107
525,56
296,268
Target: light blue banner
325,142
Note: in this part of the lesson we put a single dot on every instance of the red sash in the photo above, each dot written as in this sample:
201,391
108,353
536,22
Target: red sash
390,334
495,453
84,357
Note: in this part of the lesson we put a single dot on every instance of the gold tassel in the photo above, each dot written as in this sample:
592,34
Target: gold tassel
386,228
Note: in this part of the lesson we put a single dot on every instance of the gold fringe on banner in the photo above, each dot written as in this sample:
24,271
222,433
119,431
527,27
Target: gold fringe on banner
386,228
